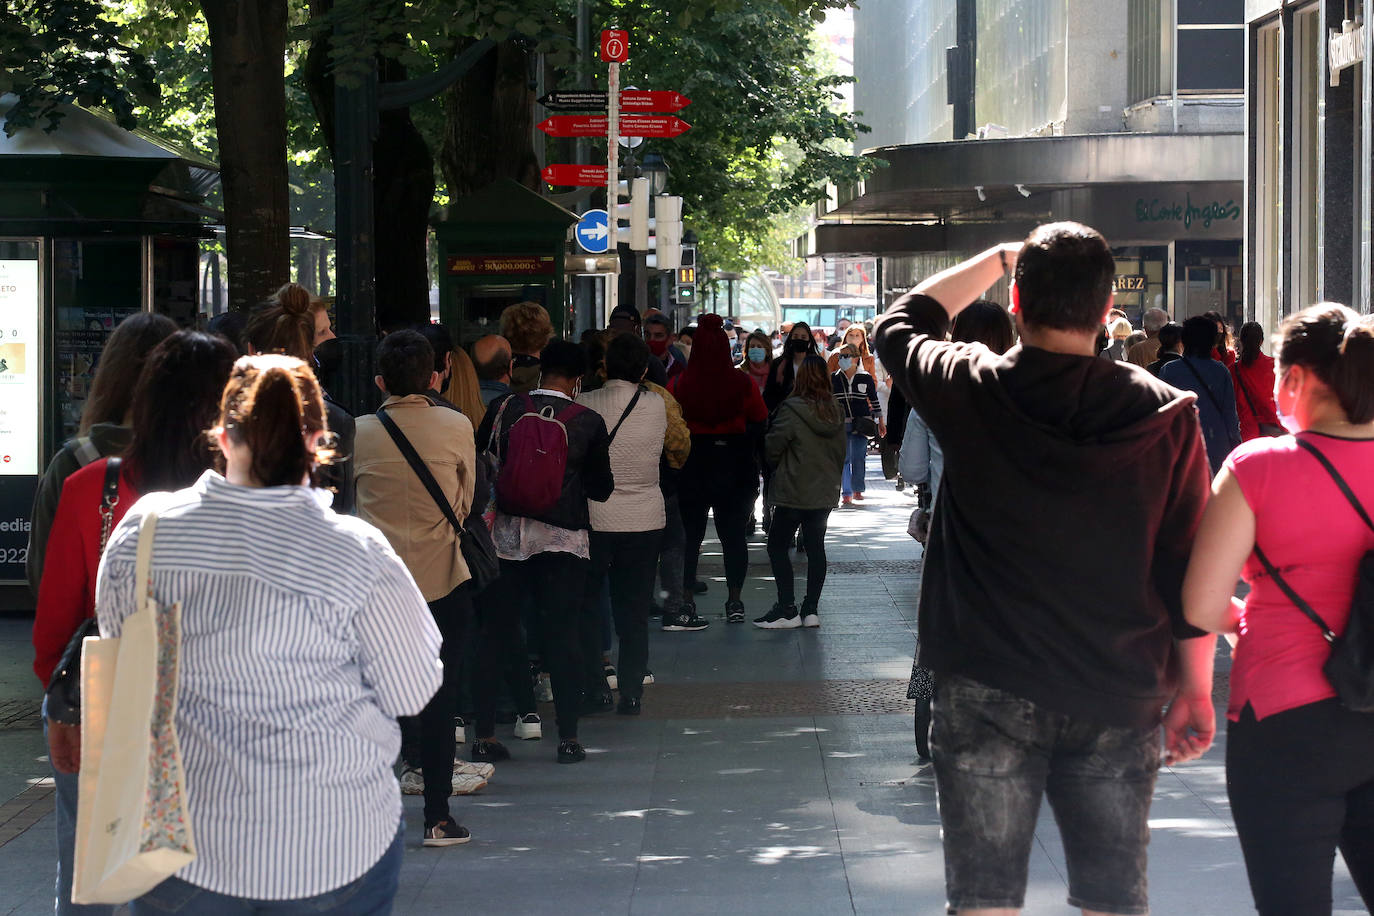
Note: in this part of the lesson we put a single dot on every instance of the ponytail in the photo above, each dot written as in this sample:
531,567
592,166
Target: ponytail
269,405
1353,376
285,323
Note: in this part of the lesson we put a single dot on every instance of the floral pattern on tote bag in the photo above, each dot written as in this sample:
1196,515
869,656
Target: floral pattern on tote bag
164,820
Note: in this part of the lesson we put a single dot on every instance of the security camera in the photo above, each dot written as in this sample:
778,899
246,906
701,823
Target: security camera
1022,190
979,189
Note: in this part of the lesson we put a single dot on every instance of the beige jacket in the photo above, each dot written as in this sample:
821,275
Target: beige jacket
391,497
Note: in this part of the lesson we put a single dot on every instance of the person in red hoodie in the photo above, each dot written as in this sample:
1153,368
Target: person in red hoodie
725,413
175,401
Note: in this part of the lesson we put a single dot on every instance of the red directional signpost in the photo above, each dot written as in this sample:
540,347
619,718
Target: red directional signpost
639,101
662,126
576,176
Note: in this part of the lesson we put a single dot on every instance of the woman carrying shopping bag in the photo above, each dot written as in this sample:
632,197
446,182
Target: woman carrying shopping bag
302,638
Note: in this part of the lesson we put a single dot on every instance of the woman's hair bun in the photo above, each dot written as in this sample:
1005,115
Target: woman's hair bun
1353,375
293,298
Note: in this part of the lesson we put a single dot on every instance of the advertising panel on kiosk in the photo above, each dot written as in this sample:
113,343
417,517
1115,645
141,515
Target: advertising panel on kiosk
20,398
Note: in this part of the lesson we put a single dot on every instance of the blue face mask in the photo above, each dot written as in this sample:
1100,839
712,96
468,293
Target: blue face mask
845,363
757,354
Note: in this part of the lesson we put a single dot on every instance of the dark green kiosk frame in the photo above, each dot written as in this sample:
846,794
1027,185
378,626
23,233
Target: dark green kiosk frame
502,245
97,223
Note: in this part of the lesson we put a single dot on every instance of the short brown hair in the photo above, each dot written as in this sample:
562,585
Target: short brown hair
1064,277
527,326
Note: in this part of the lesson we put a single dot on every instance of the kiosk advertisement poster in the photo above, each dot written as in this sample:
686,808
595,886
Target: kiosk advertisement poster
20,386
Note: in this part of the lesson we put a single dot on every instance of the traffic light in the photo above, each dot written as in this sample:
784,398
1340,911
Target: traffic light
687,275
636,212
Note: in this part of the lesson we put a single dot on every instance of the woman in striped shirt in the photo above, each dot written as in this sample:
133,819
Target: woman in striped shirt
303,638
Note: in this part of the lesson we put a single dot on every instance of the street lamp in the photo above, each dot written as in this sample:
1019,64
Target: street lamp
655,168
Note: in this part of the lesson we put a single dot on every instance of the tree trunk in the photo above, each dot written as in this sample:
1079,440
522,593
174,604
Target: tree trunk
402,189
322,289
488,119
248,45
305,263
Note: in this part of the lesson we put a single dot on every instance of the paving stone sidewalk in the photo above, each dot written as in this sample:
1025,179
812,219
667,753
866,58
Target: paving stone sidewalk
771,773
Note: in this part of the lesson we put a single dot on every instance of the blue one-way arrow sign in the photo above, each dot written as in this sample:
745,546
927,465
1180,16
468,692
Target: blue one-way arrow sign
594,231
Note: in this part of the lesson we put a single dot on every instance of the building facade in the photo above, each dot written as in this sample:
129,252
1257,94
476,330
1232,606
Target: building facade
993,116
1308,170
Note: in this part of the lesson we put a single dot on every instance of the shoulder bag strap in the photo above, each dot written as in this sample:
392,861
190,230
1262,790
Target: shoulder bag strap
1294,596
1340,481
624,416
109,498
1245,391
143,564
421,471
1205,387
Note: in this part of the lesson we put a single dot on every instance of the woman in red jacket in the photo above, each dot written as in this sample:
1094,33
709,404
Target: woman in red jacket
725,413
175,402
1253,373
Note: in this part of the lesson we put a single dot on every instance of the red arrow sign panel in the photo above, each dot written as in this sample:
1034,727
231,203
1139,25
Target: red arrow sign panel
652,100
576,176
630,126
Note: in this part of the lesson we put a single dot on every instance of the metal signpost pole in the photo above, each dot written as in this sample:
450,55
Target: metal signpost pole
612,178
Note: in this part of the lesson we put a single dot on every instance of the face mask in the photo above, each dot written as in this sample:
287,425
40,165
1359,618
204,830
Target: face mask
1286,420
846,363
757,354
796,346
686,349
658,347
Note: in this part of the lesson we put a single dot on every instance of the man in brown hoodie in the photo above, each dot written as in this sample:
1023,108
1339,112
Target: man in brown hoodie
1052,618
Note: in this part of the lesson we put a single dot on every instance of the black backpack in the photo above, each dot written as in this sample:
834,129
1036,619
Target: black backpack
1350,667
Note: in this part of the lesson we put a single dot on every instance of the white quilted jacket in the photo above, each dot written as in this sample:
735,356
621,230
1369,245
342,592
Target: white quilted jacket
637,503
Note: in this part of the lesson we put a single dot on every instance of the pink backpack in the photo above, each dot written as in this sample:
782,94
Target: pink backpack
535,460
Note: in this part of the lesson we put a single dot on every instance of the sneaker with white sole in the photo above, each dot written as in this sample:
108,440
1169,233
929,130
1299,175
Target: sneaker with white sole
529,727
612,681
484,770
811,621
412,781
734,612
447,832
779,617
648,677
466,783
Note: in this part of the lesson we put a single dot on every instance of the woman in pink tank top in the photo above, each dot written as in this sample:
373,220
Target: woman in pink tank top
1299,765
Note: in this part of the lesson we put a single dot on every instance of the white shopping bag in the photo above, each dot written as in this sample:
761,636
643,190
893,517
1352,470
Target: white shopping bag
132,829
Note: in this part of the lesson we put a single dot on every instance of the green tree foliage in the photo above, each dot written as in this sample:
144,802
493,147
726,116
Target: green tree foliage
55,51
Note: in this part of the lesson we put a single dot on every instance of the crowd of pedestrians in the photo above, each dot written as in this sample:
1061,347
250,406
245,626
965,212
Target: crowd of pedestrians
360,597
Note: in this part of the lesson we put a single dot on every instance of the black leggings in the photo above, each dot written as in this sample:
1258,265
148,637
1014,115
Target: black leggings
1301,784
732,527
453,615
556,583
501,657
786,521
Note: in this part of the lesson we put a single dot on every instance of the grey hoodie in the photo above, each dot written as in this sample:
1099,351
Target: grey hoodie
807,454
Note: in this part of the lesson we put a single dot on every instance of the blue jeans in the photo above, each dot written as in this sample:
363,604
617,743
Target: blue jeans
372,894
855,466
66,786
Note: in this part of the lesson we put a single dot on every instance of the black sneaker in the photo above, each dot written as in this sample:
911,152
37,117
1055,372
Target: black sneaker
734,612
779,617
697,588
595,701
628,706
810,615
447,832
488,750
571,752
685,621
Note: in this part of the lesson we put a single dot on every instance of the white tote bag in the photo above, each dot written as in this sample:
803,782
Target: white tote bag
132,828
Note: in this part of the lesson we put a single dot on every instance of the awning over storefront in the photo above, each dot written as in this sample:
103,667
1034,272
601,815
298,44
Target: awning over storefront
954,196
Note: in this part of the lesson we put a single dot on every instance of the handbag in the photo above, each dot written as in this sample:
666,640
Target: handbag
864,426
132,827
474,540
1266,429
62,700
1350,667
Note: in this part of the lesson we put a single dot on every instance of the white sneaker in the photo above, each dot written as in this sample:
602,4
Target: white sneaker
543,690
811,620
612,681
468,768
529,727
467,783
412,782
648,677
460,731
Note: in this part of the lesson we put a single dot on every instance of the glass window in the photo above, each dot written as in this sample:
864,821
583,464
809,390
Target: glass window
96,285
1307,77
1268,197
1211,60
1021,62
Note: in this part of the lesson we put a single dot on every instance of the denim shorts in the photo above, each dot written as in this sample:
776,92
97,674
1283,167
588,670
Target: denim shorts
995,755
